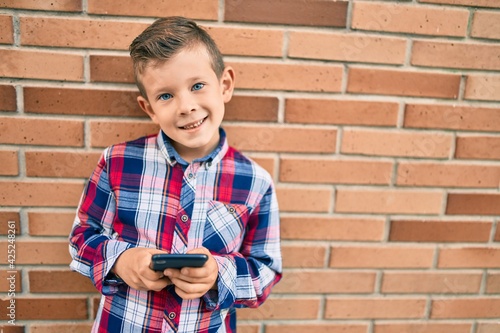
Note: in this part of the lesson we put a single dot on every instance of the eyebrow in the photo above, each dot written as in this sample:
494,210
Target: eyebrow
163,88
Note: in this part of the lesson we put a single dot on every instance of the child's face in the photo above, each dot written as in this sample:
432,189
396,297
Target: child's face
186,99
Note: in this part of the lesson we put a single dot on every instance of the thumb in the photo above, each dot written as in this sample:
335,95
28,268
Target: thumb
199,250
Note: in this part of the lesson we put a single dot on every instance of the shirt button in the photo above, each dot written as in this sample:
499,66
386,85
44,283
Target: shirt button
171,315
190,176
232,210
184,218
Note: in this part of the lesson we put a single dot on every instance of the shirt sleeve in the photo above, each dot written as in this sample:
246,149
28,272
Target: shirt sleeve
93,245
245,278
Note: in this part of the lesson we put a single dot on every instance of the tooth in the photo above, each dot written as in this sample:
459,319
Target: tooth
194,125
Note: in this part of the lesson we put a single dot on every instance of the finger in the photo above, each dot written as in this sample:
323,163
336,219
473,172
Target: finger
189,290
152,275
187,296
158,284
195,272
171,272
200,250
192,279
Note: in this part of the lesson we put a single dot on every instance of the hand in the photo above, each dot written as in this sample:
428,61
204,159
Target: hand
133,268
194,282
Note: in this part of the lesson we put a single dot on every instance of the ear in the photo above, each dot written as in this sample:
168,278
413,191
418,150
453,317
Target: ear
146,107
227,83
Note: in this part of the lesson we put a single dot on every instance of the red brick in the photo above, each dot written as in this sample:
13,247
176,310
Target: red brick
104,68
303,256
388,201
473,204
8,328
248,42
87,102
469,257
248,138
252,108
397,17
268,163
347,47
424,327
497,234
7,98
326,282
49,308
10,216
286,76
80,33
59,281
420,282
485,24
46,193
41,65
311,199
488,327
313,13
317,328
282,139
374,308
55,5
396,143
478,147
69,164
467,118
248,328
474,3
202,9
341,112
52,223
465,308
439,231
483,87
9,163
455,55
10,281
273,308
402,83
493,283
39,131
105,133
39,253
381,257
334,171
332,228
6,30
61,328
448,175
277,76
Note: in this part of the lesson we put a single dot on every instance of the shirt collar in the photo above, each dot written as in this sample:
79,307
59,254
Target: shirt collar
173,157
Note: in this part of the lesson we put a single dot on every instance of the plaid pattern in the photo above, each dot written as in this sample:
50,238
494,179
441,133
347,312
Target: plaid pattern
143,194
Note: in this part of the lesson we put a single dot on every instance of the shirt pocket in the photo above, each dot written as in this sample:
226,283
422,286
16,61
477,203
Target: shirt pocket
225,227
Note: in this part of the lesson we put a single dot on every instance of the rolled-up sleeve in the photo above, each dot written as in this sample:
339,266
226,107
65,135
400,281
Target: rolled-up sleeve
93,246
246,277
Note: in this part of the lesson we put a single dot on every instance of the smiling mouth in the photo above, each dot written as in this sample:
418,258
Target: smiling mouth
194,125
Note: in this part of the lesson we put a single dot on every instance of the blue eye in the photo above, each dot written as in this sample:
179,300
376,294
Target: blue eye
165,97
198,86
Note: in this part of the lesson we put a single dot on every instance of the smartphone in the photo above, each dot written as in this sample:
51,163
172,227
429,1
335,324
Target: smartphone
159,262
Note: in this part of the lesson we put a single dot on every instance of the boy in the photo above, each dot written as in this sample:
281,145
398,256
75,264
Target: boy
181,191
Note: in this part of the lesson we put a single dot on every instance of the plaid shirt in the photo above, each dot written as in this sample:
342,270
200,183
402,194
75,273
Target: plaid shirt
142,193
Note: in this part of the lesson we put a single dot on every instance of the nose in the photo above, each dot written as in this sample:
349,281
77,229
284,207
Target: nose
186,104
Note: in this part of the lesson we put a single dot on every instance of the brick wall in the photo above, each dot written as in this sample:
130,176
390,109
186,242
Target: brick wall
379,121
